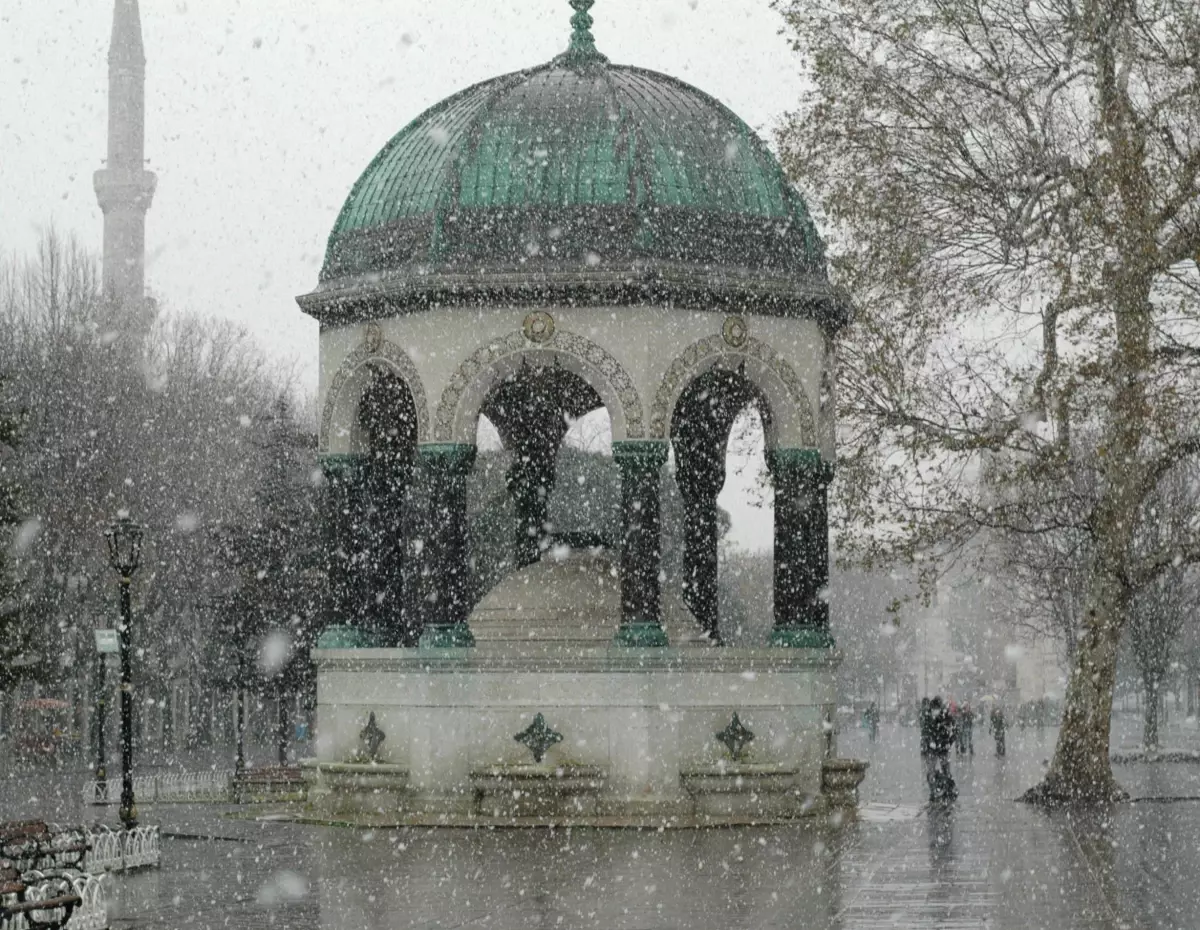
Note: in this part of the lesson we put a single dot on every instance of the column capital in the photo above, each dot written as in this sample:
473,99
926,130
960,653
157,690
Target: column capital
649,454
451,457
800,464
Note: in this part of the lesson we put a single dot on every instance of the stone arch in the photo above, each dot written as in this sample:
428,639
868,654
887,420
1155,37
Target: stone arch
339,421
791,414
458,409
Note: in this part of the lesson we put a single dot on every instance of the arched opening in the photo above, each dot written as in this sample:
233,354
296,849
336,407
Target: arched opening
528,413
385,428
387,418
519,406
701,425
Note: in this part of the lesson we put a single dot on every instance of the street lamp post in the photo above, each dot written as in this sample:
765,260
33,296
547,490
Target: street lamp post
101,715
124,539
239,765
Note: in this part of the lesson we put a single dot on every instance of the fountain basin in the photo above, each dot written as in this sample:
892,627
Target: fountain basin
638,730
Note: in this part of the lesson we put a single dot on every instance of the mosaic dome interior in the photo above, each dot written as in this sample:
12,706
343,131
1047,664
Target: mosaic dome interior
568,172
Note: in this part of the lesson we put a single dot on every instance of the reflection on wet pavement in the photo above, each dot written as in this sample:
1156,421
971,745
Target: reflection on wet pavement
984,862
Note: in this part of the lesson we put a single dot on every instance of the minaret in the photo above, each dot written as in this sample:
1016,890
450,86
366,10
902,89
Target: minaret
124,187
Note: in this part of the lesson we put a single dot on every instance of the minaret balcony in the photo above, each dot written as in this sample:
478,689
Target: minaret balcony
118,188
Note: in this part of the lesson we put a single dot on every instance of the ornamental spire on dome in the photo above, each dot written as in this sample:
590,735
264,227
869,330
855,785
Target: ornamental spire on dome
582,50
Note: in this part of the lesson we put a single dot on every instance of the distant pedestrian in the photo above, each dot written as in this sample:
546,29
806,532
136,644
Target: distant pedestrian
955,725
966,730
871,718
941,735
999,725
925,723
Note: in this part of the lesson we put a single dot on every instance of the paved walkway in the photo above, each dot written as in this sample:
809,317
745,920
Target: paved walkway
987,862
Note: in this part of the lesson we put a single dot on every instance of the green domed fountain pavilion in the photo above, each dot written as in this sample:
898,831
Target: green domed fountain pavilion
568,237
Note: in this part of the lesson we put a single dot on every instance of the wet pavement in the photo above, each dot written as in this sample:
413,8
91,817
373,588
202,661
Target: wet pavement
985,862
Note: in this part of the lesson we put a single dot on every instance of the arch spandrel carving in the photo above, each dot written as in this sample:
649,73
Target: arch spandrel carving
453,420
791,407
351,380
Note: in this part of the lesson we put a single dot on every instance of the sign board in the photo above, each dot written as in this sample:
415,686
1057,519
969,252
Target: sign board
106,641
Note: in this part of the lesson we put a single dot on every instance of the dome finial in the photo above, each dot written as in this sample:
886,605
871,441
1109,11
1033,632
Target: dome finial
582,49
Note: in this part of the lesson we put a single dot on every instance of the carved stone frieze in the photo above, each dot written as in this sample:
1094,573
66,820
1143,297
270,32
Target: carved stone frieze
578,347
695,359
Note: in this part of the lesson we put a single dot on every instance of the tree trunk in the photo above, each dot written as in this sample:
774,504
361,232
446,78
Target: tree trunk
1081,770
1150,722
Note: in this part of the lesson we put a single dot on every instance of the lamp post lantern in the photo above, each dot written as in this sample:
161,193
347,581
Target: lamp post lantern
124,539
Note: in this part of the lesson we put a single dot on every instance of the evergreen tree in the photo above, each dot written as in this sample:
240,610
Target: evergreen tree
267,622
19,655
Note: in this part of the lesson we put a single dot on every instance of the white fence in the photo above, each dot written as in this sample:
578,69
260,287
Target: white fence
105,854
140,847
119,850
170,786
91,914
108,851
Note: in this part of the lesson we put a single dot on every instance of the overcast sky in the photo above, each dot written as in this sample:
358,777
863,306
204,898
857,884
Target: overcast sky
262,113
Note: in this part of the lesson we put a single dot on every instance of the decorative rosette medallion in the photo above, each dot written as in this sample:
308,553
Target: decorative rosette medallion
539,326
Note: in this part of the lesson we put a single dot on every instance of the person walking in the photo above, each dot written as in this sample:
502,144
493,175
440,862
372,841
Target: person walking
871,718
941,736
925,723
999,725
966,730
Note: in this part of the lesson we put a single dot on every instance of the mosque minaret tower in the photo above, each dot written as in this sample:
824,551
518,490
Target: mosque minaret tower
124,187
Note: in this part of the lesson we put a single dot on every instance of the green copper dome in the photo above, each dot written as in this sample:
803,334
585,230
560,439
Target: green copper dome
576,175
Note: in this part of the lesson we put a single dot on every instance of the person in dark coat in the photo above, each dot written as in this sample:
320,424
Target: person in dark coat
925,723
871,718
999,725
941,737
966,729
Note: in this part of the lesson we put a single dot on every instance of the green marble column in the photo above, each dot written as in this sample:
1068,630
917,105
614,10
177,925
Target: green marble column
801,480
446,551
640,462
385,483
700,474
346,556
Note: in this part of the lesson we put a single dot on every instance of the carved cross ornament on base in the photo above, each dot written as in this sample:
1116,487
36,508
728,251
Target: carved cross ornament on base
537,738
736,737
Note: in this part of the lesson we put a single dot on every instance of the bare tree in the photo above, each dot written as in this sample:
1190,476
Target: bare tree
153,413
1049,571
1014,194
1161,610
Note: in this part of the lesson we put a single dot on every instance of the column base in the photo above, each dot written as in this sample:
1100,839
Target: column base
345,636
641,635
455,636
801,637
